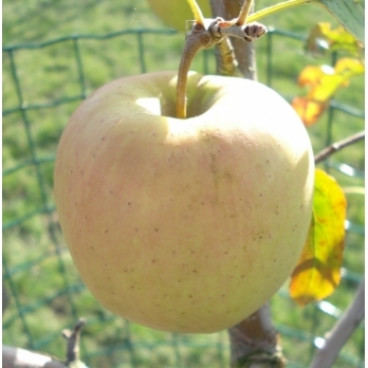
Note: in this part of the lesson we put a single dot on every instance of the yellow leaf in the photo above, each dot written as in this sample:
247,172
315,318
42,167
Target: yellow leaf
308,110
310,76
323,82
329,84
322,38
317,273
349,66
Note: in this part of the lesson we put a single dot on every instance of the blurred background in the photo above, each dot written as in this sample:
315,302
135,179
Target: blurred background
55,53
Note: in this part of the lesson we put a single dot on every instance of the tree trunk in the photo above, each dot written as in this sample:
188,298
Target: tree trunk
254,341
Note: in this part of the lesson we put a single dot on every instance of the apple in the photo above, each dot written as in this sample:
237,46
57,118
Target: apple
176,13
185,225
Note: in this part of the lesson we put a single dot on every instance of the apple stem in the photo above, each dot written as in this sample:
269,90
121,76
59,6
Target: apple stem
197,39
208,32
201,37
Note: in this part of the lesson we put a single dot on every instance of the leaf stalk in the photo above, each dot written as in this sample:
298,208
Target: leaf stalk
271,10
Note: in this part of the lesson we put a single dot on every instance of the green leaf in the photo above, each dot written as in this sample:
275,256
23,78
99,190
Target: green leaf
350,13
317,273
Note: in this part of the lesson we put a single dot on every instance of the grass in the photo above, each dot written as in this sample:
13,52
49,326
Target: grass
44,291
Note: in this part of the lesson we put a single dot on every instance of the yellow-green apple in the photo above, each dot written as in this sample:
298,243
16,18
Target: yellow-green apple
185,225
176,13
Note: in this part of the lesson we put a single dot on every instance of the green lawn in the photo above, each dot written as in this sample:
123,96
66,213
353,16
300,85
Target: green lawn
48,80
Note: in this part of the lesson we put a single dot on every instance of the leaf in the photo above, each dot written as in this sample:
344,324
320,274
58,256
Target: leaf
323,38
349,67
312,75
308,110
323,82
317,273
350,13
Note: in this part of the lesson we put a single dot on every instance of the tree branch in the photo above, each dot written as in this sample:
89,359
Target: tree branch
72,346
209,32
337,146
226,60
242,58
255,343
21,358
341,332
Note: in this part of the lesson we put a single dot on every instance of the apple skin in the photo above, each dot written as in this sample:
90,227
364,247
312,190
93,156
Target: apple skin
186,225
176,13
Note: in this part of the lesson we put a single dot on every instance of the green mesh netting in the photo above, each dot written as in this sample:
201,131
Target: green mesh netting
42,294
